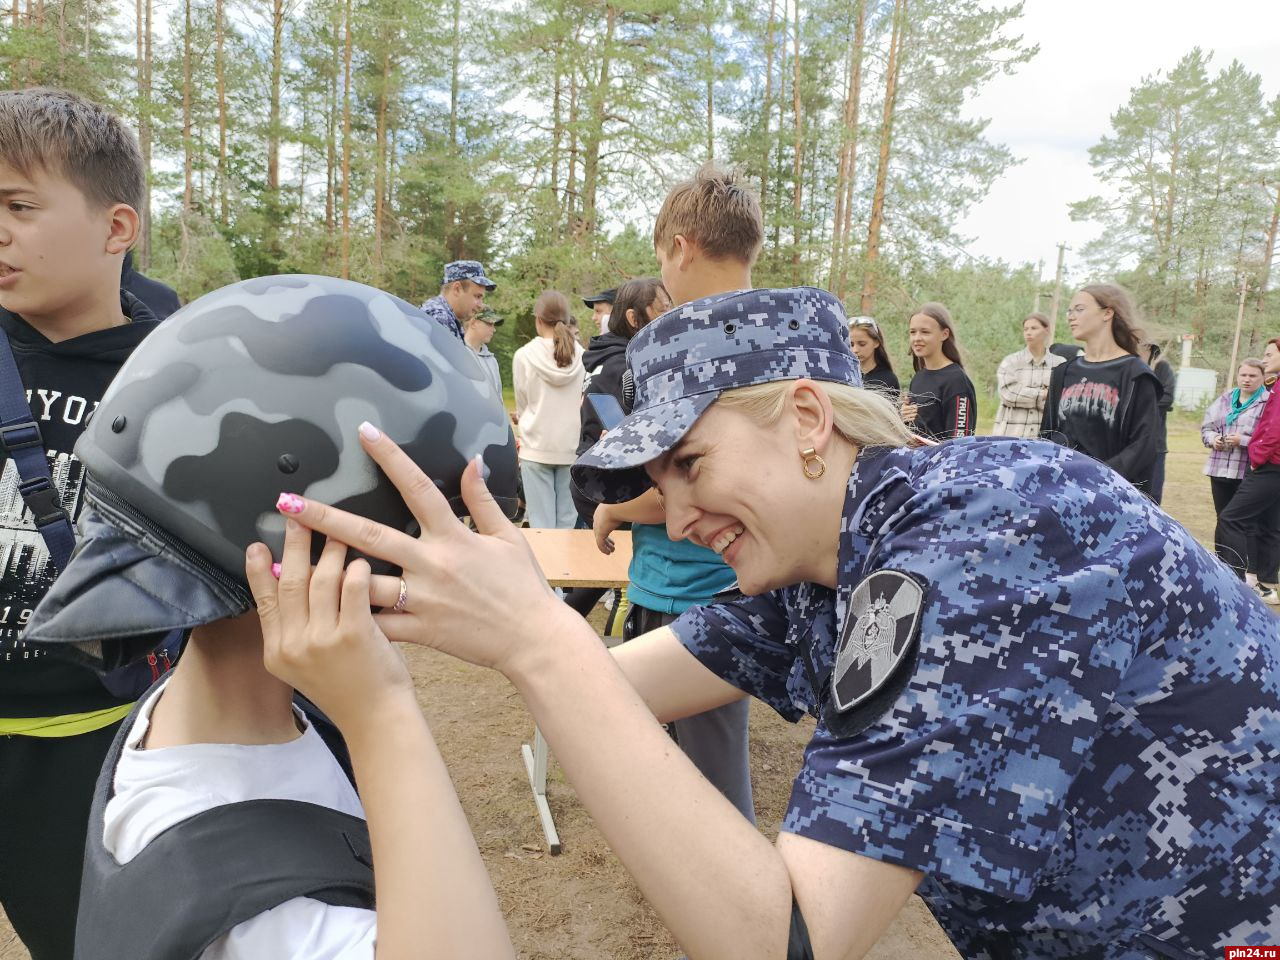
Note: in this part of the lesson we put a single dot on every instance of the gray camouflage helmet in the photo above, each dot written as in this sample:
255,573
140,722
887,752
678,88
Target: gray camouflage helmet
249,391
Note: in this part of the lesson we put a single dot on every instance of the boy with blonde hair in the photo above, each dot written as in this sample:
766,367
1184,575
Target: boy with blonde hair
708,235
706,239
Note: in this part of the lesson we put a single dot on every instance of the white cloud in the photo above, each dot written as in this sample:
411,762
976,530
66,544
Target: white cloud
1092,52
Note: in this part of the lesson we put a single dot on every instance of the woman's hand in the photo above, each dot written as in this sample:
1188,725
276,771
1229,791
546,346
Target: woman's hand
476,596
909,411
1231,441
602,525
318,632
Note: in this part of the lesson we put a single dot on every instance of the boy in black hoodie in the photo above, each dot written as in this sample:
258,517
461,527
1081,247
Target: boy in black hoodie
71,183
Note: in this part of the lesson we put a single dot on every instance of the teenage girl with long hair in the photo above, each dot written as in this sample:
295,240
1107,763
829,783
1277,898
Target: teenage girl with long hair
548,374
1104,402
867,342
942,403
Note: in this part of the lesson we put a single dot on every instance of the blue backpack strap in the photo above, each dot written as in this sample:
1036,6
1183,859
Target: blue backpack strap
20,437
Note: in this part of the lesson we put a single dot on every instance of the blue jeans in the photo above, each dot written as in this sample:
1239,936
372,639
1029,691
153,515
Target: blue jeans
548,504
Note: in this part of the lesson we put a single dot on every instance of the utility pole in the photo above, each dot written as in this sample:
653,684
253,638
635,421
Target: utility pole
1057,288
1235,343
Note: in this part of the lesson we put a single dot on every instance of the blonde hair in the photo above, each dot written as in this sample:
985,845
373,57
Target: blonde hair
552,308
864,418
717,211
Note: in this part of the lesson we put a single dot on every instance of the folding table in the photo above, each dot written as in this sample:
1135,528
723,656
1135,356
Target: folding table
568,558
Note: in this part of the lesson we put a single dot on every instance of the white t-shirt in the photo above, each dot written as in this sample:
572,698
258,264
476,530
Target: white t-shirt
154,789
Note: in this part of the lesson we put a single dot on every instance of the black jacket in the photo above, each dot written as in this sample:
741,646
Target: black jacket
1168,382
65,381
1131,450
605,361
160,299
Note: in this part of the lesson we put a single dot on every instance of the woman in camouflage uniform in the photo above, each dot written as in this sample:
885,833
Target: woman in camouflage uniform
1040,703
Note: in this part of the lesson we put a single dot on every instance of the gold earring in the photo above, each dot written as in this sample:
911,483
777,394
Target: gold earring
811,457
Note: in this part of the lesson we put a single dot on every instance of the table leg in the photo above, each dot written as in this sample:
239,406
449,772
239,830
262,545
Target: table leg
535,764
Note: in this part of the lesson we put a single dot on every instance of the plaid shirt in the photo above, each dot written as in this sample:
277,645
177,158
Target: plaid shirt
1230,464
1023,382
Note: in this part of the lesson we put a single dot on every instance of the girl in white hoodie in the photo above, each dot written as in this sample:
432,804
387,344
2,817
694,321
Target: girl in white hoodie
548,377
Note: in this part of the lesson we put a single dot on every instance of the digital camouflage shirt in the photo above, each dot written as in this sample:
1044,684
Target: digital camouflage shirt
1080,751
437,308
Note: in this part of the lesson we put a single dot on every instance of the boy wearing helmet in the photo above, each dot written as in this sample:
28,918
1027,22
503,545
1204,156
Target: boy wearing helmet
220,793
71,185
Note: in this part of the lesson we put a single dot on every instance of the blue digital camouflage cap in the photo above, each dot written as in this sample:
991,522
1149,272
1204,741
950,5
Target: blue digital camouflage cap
471,270
687,357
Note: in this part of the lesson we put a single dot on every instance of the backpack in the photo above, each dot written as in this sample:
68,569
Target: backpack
21,440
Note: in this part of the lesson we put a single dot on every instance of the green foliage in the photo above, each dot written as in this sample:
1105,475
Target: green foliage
1188,217
539,136
210,261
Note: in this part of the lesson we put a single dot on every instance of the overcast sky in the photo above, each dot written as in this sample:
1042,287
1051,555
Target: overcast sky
1092,52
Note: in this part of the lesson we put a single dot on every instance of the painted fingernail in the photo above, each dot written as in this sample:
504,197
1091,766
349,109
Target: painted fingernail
482,468
369,431
275,570
290,503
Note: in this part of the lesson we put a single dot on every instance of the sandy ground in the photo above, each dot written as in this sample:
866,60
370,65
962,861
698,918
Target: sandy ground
581,904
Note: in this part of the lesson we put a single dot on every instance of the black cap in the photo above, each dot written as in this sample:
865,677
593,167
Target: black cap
604,296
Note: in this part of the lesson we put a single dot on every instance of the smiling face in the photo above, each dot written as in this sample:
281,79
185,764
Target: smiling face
1249,378
927,336
1085,317
756,519
58,252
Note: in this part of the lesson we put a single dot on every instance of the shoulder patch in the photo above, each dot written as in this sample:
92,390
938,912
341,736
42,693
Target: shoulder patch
879,631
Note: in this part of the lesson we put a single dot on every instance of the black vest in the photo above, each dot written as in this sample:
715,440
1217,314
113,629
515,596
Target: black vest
203,876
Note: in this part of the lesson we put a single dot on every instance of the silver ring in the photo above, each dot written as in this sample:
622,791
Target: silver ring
402,599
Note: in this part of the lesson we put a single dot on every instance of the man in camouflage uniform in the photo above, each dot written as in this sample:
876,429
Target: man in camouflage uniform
1031,685
461,296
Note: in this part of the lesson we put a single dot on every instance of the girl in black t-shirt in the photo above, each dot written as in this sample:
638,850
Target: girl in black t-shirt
942,403
1104,402
867,343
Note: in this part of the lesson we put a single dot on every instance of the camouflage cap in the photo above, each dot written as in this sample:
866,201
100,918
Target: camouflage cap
249,391
685,359
471,270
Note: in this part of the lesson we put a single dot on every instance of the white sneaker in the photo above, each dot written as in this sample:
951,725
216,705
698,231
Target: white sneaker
1268,594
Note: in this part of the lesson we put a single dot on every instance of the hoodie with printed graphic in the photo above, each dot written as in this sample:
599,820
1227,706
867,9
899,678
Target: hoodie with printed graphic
64,382
1109,410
